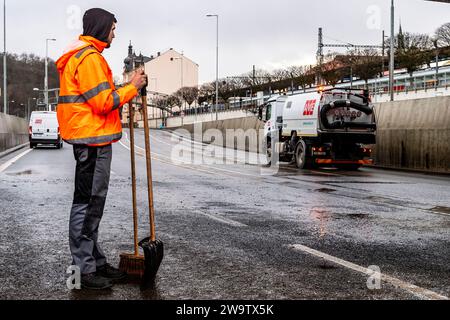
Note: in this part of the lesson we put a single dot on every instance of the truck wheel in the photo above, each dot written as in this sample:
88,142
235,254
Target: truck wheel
300,155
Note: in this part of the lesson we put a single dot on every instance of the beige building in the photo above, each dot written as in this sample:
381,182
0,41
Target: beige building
168,72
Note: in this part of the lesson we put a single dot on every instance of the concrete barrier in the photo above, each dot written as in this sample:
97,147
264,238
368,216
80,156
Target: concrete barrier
412,134
177,122
231,130
13,131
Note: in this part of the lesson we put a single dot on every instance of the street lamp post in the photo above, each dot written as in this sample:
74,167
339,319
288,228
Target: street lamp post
392,53
182,80
29,108
5,86
46,73
23,107
217,61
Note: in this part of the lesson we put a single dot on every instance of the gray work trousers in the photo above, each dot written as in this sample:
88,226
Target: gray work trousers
91,188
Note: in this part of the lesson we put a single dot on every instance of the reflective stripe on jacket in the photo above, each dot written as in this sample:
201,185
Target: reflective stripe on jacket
88,106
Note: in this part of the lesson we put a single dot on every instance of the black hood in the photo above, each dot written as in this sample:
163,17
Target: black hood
97,23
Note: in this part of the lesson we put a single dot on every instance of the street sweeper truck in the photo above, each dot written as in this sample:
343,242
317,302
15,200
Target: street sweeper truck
334,127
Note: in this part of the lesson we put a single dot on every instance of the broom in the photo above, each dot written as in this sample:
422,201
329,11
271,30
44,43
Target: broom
133,264
153,248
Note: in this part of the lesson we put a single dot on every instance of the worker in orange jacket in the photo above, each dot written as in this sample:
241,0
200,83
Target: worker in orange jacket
88,115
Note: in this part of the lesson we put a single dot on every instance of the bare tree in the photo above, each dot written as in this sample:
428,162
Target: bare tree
296,71
227,89
331,69
26,72
188,94
280,75
207,91
365,63
173,101
412,50
303,75
257,78
442,35
162,103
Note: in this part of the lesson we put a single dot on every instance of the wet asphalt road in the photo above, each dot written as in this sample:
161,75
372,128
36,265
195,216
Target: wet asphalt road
232,231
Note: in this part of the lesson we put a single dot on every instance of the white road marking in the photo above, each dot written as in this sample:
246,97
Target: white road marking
413,289
198,149
169,161
223,220
13,160
435,212
186,166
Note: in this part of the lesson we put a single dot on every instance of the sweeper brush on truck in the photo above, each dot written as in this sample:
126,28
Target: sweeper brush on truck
328,128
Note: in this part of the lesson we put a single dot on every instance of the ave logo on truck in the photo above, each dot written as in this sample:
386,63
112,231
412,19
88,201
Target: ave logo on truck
309,107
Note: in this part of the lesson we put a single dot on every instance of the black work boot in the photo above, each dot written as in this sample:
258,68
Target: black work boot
93,281
109,272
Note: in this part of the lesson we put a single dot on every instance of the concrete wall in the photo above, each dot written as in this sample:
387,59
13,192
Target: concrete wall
177,122
414,134
249,126
13,131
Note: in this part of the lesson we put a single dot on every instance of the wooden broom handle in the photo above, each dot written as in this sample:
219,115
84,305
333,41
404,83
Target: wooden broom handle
133,178
149,164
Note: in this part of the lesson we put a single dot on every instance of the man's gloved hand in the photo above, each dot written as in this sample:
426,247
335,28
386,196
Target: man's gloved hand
140,79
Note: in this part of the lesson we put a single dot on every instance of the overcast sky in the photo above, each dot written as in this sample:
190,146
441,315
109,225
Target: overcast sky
268,34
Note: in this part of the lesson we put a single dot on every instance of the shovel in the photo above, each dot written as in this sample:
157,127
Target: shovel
153,248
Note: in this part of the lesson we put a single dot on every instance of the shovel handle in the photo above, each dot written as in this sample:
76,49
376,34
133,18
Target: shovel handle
149,164
133,178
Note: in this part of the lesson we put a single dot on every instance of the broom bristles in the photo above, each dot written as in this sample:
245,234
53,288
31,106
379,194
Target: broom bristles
133,265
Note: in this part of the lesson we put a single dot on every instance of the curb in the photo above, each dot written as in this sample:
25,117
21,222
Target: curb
9,151
419,171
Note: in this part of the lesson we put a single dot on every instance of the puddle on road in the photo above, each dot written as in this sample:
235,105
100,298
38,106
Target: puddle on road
325,190
326,267
391,201
361,182
321,214
22,173
441,209
327,222
220,204
162,184
356,215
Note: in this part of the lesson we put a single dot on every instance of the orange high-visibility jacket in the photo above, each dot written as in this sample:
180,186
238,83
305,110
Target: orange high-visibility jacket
88,105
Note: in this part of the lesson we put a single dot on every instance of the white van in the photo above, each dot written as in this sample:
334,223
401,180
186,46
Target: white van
44,129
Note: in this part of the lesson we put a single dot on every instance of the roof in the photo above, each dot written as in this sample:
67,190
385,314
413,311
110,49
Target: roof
170,51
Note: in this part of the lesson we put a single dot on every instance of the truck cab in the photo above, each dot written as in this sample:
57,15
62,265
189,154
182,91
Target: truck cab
330,128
